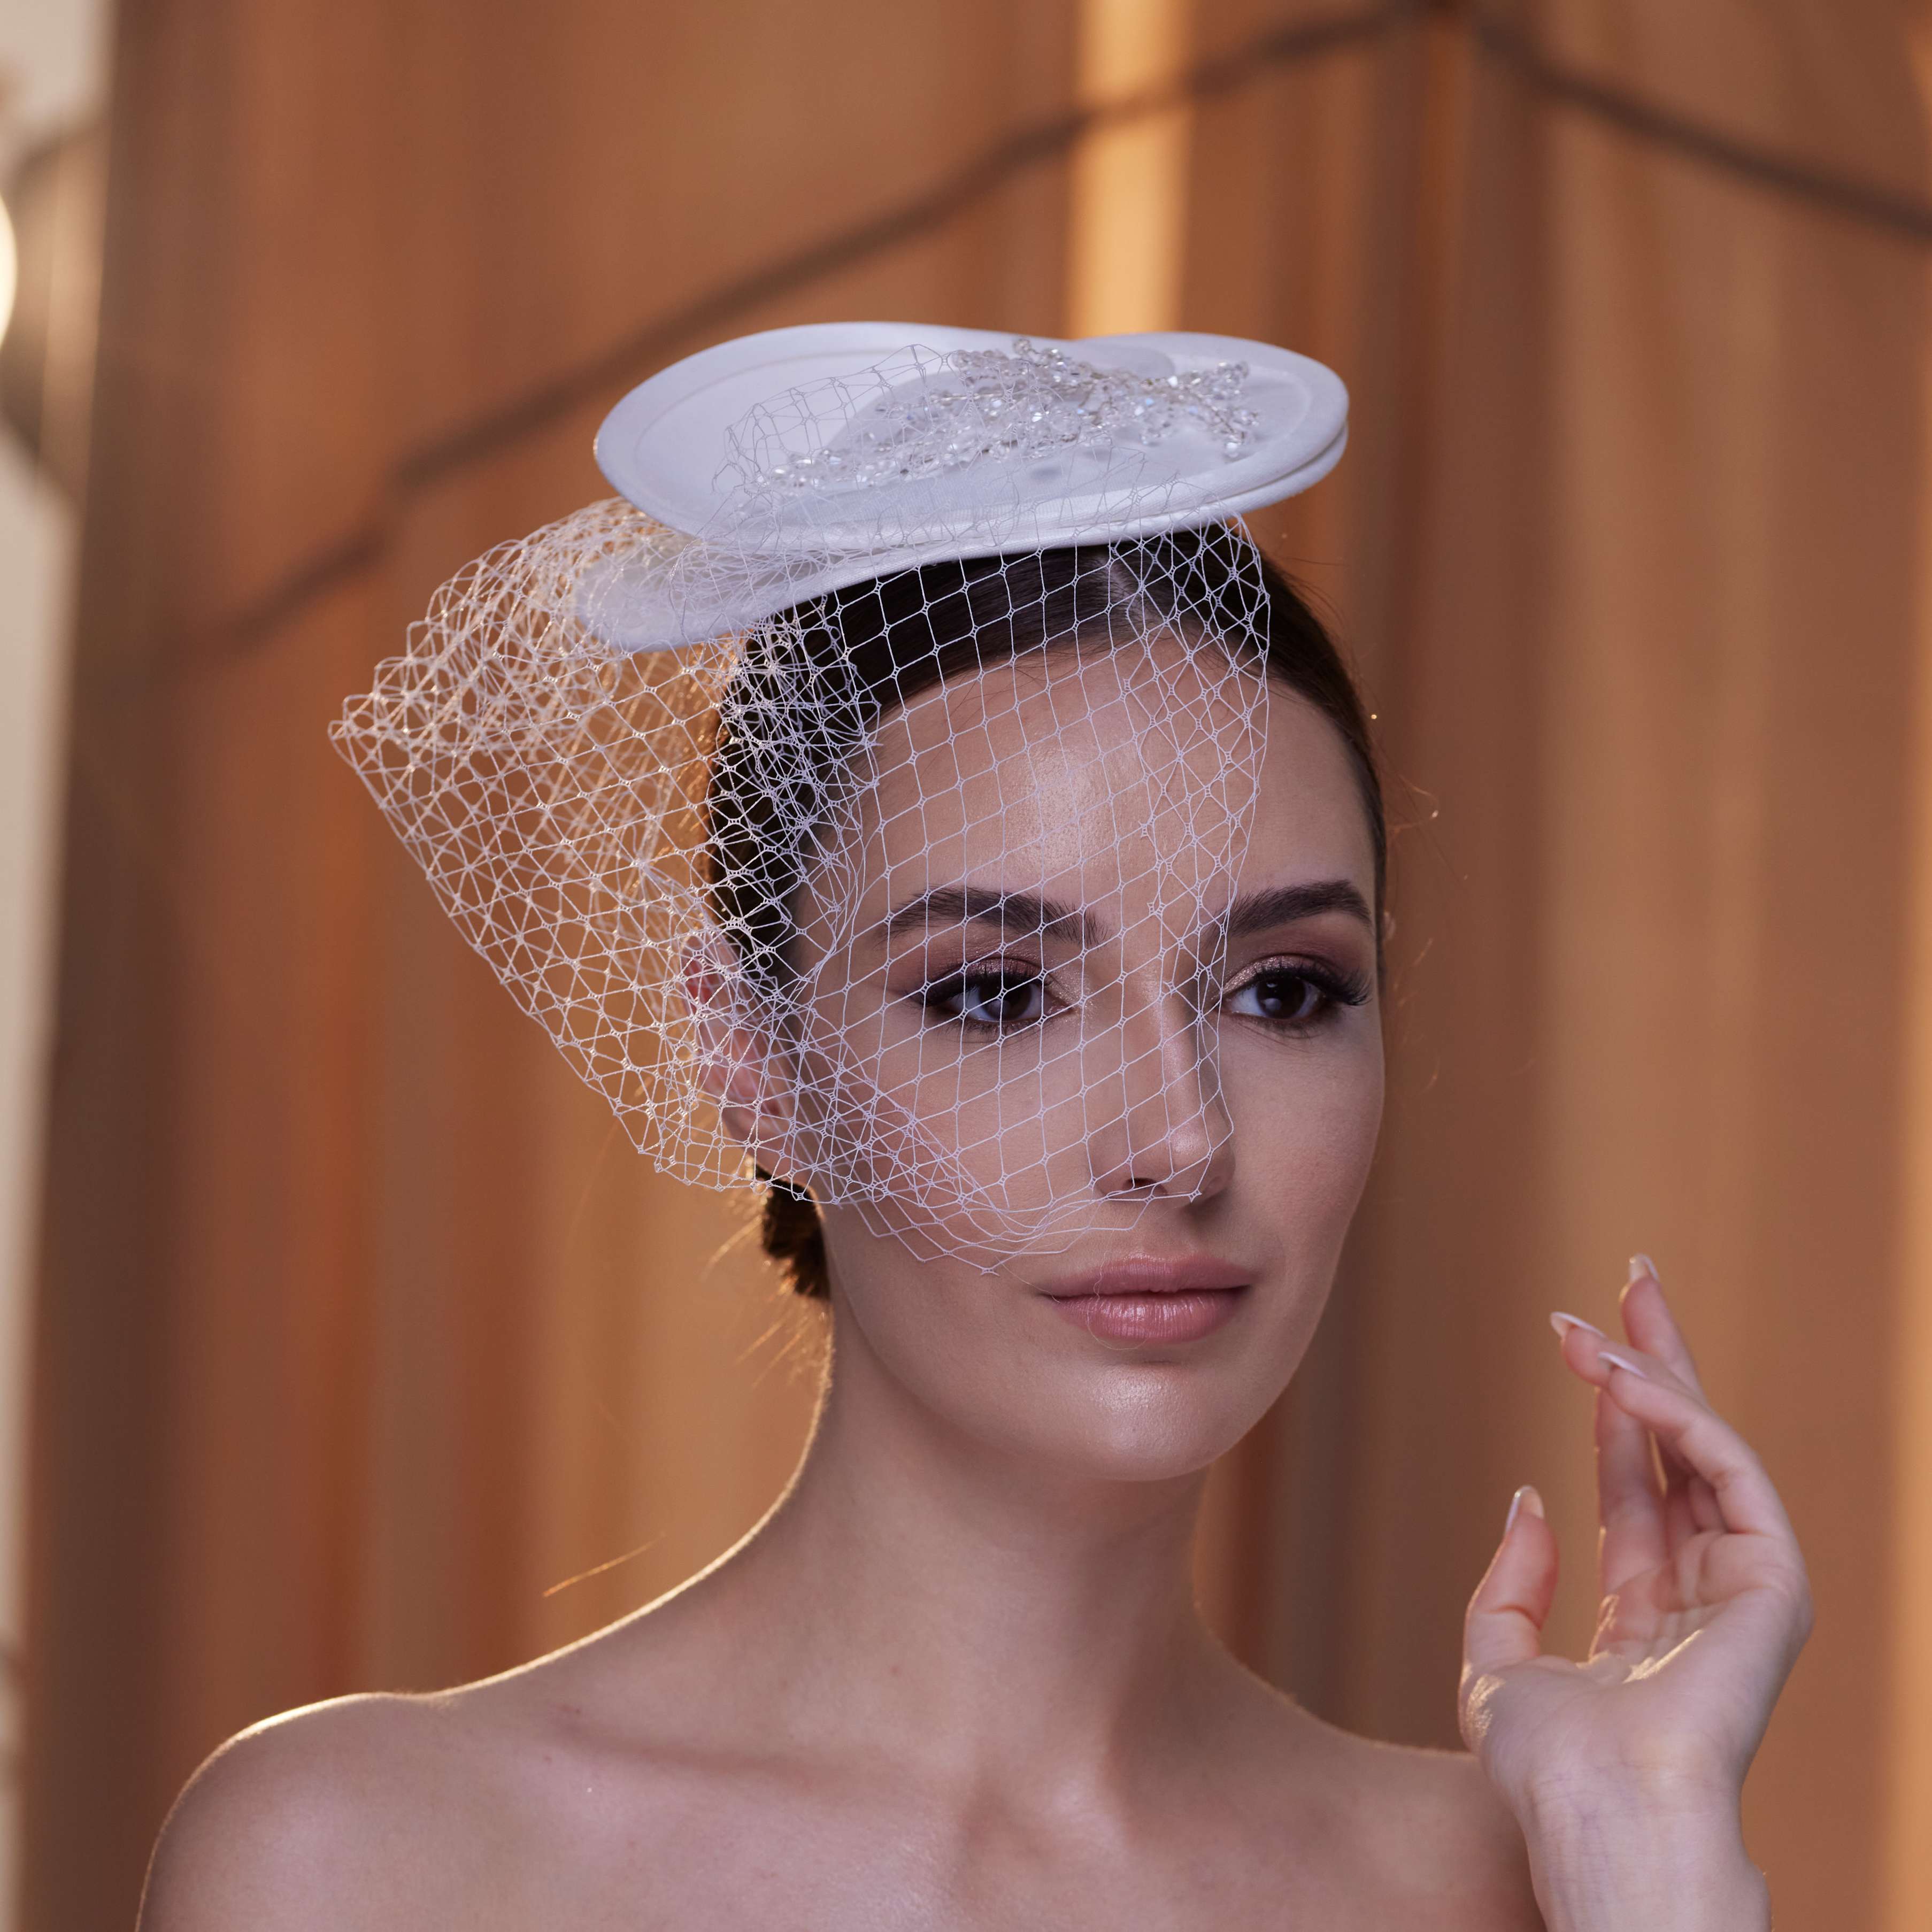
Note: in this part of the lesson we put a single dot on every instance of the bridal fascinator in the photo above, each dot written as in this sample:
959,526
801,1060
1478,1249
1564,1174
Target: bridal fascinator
593,726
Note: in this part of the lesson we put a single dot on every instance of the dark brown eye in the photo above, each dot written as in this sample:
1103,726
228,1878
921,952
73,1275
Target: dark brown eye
1279,995
995,1001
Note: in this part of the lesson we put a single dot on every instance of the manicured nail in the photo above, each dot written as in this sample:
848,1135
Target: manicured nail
1524,1498
1563,1324
1641,1265
1623,1362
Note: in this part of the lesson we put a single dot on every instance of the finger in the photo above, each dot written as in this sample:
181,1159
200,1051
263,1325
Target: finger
1583,1346
1649,1322
1746,1500
1618,1368
1505,1621
1690,1504
1631,1502
1705,1514
1679,1522
1680,1513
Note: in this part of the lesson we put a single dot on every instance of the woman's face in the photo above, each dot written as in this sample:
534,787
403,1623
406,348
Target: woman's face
1093,1034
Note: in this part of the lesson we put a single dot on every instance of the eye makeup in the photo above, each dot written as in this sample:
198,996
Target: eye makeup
989,996
1295,994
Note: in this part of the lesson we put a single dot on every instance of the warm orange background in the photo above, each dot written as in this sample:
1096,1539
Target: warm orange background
361,1326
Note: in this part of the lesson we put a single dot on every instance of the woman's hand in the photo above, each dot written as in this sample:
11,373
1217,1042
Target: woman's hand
1624,1771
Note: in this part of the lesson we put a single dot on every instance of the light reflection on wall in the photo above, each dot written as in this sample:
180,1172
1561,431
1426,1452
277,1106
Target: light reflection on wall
1129,211
53,61
9,269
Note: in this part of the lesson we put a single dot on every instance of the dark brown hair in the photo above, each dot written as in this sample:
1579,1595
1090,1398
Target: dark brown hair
814,684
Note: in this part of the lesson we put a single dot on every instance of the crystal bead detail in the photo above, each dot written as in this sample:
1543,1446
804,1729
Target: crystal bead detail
1021,405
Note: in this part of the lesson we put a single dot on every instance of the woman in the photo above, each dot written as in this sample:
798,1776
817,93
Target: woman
1012,910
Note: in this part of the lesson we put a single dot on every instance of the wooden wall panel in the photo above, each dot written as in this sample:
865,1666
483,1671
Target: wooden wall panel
363,1328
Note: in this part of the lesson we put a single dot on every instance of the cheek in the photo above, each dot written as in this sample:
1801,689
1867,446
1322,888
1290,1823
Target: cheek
903,1118
1305,1121
944,1329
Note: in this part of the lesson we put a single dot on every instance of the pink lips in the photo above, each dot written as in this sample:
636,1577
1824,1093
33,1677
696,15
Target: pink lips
1143,1299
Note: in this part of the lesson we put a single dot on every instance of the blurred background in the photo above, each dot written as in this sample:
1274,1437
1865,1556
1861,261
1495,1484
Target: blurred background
344,1343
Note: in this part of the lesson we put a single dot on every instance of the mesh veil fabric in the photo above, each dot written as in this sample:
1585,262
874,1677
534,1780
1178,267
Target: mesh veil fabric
812,872
552,790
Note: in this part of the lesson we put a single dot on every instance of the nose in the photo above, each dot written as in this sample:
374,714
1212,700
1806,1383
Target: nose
1159,1127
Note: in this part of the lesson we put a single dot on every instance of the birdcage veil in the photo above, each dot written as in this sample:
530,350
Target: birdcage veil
698,768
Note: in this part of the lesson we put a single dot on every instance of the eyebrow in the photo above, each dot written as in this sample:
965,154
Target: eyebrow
1028,914
1284,904
1017,913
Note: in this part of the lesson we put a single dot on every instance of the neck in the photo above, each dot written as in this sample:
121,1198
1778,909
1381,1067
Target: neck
1002,1621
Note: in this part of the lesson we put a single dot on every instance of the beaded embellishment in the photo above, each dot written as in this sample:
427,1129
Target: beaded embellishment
1020,405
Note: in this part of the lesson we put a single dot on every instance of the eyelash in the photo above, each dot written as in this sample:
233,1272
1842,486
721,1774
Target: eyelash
1011,975
1335,990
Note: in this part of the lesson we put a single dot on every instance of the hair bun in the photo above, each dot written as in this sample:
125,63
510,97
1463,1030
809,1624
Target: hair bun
791,1234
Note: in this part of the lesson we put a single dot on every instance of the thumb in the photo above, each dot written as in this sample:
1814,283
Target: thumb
1505,1621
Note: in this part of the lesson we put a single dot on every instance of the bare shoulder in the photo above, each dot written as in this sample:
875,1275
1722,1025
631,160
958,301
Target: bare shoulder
1418,1837
505,1803
1440,1830
331,1816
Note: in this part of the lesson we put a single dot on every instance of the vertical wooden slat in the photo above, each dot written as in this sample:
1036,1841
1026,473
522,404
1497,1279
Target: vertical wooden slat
357,1335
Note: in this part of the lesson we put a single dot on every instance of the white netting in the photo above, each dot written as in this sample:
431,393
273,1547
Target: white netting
912,891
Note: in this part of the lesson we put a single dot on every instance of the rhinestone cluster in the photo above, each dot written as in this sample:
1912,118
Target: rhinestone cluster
1020,406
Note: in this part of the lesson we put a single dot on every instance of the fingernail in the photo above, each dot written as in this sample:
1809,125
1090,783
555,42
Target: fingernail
1524,1498
1624,1363
1563,1324
1641,1265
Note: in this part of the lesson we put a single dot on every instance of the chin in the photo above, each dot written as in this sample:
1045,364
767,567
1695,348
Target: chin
1120,1420
1096,1388
1157,1423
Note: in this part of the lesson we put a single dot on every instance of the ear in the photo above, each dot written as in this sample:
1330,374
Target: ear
739,1064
